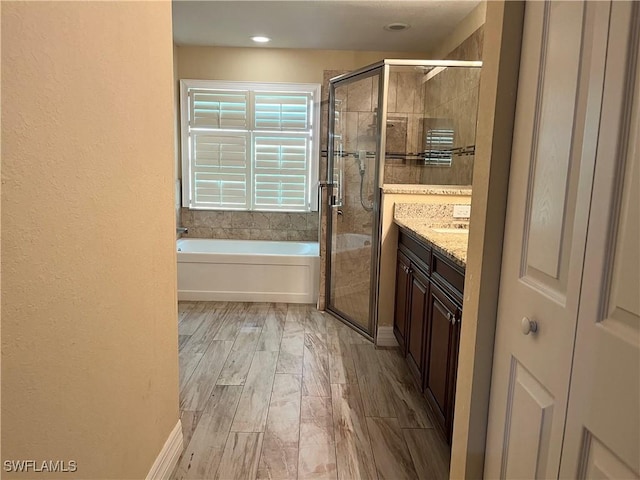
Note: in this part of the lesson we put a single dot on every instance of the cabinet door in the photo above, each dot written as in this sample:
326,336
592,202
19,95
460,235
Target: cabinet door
417,322
402,301
442,315
453,373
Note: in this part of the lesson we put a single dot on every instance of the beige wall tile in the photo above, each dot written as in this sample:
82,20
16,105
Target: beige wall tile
392,92
250,225
406,92
359,95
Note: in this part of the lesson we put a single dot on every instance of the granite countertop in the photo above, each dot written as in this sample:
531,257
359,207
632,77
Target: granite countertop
426,189
452,245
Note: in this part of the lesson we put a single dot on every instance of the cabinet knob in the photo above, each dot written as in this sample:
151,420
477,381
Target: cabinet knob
529,326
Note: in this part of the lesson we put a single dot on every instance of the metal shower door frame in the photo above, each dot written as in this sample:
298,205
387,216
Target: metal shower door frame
381,68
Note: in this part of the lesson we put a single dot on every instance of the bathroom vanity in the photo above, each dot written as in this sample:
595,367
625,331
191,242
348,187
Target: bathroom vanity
430,272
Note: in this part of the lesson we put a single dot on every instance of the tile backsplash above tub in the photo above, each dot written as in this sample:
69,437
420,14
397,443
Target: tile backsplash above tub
250,225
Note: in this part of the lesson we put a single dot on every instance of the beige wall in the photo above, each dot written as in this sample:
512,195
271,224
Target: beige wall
89,330
273,64
463,30
498,87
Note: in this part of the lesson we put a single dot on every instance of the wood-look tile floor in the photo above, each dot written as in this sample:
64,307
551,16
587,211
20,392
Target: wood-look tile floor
282,391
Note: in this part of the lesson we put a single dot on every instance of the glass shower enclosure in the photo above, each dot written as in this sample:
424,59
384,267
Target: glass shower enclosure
387,121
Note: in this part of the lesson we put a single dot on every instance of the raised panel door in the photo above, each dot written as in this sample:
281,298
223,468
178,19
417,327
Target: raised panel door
417,324
402,300
553,154
439,356
602,435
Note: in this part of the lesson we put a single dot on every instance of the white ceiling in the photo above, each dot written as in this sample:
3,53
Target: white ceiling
318,24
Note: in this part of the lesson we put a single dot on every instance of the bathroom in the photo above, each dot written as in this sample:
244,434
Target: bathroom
534,335
336,254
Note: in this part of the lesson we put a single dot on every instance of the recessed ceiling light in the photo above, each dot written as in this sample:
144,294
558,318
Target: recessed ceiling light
260,39
396,26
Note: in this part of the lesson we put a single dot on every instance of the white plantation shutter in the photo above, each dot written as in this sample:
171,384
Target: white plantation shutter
439,142
218,109
250,146
282,111
281,163
220,168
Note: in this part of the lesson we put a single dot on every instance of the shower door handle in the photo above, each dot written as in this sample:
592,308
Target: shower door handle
332,198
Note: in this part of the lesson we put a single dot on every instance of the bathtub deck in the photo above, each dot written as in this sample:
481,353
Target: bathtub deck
283,391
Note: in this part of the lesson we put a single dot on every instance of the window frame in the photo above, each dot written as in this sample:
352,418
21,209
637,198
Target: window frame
253,88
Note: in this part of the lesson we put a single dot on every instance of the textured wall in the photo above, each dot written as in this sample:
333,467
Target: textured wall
89,330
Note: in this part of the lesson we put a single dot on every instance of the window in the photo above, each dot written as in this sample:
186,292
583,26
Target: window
438,136
250,146
439,147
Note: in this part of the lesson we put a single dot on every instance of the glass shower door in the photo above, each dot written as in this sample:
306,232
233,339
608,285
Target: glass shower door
351,218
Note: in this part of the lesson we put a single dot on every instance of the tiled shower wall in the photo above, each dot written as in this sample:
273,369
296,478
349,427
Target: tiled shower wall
405,110
451,95
358,101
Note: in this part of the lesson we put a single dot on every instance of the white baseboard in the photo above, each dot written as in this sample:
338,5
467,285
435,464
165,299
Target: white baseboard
386,338
168,457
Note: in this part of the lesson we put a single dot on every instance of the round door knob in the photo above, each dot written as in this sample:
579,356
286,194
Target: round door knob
529,326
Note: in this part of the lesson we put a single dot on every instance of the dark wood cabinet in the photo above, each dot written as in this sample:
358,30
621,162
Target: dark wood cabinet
402,300
418,296
442,348
428,311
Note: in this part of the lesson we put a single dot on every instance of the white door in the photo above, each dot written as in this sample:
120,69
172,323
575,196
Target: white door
555,139
602,437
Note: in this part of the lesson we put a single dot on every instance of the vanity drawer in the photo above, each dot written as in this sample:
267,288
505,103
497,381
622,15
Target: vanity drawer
417,251
448,276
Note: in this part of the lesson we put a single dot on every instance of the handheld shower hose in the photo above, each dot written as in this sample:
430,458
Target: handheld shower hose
362,155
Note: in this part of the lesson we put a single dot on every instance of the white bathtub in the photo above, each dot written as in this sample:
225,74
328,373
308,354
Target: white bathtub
248,270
